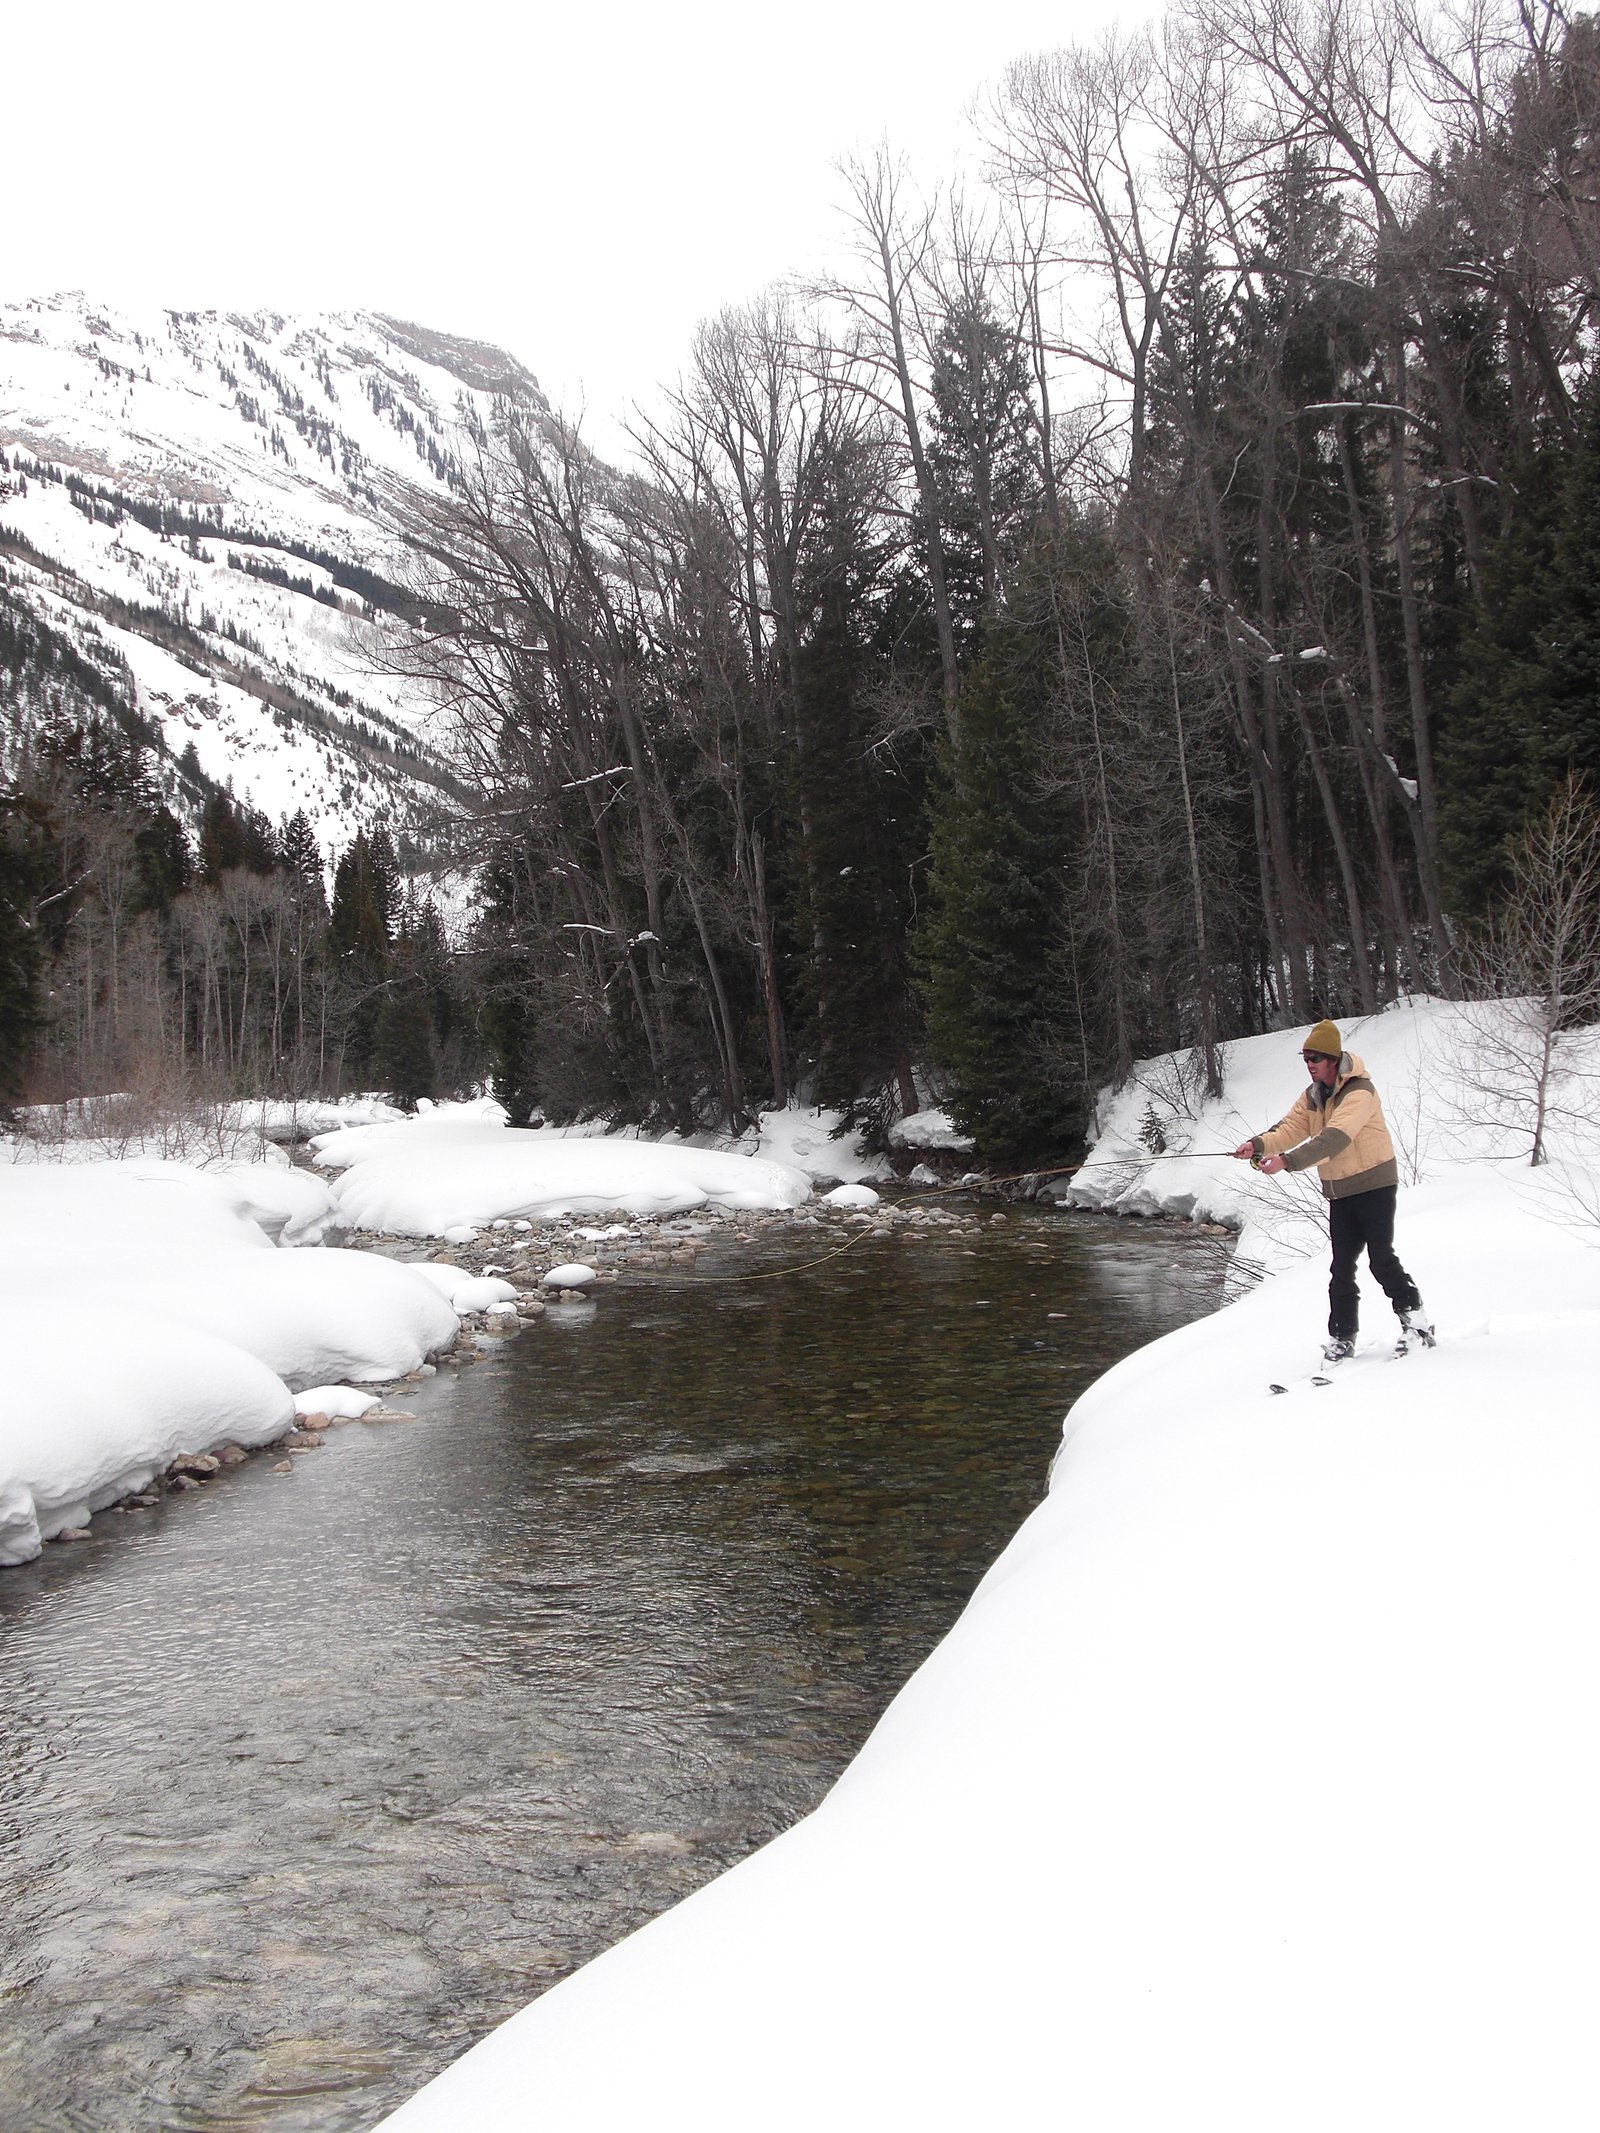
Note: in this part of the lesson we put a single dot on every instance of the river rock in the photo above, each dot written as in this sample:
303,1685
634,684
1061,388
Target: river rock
74,1533
233,1455
284,1466
851,1196
572,1274
202,1465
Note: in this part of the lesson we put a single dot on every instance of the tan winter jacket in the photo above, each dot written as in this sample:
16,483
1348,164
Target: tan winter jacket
1341,1130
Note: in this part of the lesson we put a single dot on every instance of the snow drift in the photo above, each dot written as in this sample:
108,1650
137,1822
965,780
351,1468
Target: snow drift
147,1313
427,1176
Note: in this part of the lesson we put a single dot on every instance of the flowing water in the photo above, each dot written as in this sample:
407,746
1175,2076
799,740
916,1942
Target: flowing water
306,1781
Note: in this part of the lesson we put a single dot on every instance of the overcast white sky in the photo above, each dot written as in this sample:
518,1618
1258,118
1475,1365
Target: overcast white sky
580,184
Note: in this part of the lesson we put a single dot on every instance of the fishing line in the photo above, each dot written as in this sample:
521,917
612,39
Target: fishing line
806,1266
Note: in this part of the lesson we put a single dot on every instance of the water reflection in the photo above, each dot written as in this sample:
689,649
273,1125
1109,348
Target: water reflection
305,1782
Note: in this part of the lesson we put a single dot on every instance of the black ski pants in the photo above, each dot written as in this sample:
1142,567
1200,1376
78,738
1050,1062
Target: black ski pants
1364,1222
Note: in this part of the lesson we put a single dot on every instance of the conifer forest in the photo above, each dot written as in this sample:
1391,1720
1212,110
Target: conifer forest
1142,596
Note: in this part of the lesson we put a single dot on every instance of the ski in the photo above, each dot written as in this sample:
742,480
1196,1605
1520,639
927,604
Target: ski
1407,1344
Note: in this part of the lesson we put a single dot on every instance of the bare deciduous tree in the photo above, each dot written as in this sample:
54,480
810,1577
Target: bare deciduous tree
1534,975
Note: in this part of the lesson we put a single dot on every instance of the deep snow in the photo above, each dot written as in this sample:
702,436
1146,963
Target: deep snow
146,1312
1255,1787
455,1168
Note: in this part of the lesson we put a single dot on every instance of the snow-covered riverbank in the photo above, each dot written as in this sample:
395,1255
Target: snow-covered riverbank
1255,1786
155,1312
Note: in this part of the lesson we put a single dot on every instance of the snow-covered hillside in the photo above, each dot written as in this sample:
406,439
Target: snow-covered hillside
199,507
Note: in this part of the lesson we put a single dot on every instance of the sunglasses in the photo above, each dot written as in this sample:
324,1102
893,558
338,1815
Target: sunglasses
1315,1058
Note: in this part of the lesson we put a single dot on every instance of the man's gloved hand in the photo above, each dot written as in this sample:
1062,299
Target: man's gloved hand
1269,1164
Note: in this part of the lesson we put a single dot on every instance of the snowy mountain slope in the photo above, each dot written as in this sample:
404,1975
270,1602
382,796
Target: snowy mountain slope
200,508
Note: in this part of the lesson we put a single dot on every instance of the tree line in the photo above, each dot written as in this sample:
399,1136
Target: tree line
1138,599
137,958
1134,602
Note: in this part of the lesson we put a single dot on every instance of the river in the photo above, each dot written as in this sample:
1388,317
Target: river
307,1781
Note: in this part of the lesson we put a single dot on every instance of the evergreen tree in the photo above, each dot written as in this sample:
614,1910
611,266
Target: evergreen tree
387,888
163,855
405,1055
993,949
1572,639
359,944
979,445
854,832
302,856
23,868
221,839
1526,710
359,923
1498,747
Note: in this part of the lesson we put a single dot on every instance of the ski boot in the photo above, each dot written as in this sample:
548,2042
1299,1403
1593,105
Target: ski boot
1415,1326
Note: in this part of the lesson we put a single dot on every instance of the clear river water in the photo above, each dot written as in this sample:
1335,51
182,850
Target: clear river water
306,1781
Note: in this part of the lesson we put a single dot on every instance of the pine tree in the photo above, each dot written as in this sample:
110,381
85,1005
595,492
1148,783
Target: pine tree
1572,639
1497,749
854,832
387,888
405,1054
1526,709
359,947
23,865
979,445
359,923
302,856
224,838
993,948
162,851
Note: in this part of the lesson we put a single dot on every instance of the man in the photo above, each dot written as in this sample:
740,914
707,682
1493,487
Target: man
1338,1125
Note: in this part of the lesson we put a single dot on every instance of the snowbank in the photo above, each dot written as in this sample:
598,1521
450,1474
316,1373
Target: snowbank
1253,1789
98,1399
146,1313
426,1176
311,1316
930,1129
811,1142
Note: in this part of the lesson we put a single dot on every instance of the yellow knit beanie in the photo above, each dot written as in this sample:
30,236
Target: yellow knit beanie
1324,1038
